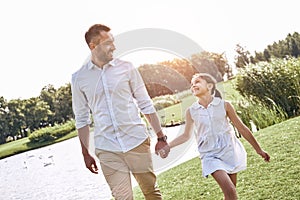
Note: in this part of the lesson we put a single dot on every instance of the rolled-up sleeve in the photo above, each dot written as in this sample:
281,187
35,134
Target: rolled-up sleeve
140,92
79,104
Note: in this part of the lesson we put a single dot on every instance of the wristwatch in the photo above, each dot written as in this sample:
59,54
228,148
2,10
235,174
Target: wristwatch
162,139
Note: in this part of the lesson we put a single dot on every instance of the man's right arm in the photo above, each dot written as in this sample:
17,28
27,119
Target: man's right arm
84,137
82,118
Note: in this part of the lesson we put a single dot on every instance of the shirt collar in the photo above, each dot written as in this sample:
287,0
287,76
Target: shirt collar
215,102
91,65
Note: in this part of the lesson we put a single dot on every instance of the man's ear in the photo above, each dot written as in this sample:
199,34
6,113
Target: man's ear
92,45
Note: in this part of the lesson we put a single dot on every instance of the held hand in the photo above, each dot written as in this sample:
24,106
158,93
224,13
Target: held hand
90,163
164,152
265,155
162,148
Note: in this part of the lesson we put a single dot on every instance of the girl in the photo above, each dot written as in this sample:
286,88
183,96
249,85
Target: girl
222,154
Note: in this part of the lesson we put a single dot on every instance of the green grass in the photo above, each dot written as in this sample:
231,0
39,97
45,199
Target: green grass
175,112
227,88
278,179
24,144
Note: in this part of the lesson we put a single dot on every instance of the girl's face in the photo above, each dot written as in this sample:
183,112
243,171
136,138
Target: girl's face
199,87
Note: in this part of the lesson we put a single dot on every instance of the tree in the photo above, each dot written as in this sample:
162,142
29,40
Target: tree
221,63
161,80
290,46
295,52
36,113
182,66
212,63
267,55
16,122
63,104
47,95
4,121
243,57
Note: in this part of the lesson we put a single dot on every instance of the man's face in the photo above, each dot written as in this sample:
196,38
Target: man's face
105,47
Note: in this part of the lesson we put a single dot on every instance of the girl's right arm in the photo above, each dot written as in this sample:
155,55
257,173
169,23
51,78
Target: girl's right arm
186,135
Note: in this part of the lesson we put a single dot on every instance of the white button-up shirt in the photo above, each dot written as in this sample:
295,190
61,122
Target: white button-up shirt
114,96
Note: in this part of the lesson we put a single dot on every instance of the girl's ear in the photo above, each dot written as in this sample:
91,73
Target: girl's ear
210,86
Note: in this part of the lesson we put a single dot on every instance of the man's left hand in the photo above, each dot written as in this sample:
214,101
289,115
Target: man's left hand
162,148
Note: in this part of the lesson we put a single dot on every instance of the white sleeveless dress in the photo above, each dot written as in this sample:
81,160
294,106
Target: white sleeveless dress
218,146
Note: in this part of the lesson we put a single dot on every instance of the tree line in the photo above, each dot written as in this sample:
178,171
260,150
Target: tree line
19,117
288,47
169,77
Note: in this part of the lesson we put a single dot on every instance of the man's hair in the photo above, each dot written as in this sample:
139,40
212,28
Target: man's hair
94,32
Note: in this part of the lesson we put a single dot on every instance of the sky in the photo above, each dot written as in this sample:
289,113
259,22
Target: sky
42,41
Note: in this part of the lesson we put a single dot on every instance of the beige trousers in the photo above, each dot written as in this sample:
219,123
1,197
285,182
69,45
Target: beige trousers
116,167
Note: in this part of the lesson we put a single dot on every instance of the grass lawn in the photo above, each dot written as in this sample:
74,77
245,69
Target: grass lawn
278,179
24,144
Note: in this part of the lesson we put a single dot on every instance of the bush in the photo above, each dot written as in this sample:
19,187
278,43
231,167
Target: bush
183,94
261,115
276,82
165,101
52,133
41,135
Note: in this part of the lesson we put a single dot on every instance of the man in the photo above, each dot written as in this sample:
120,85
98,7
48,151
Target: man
113,91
